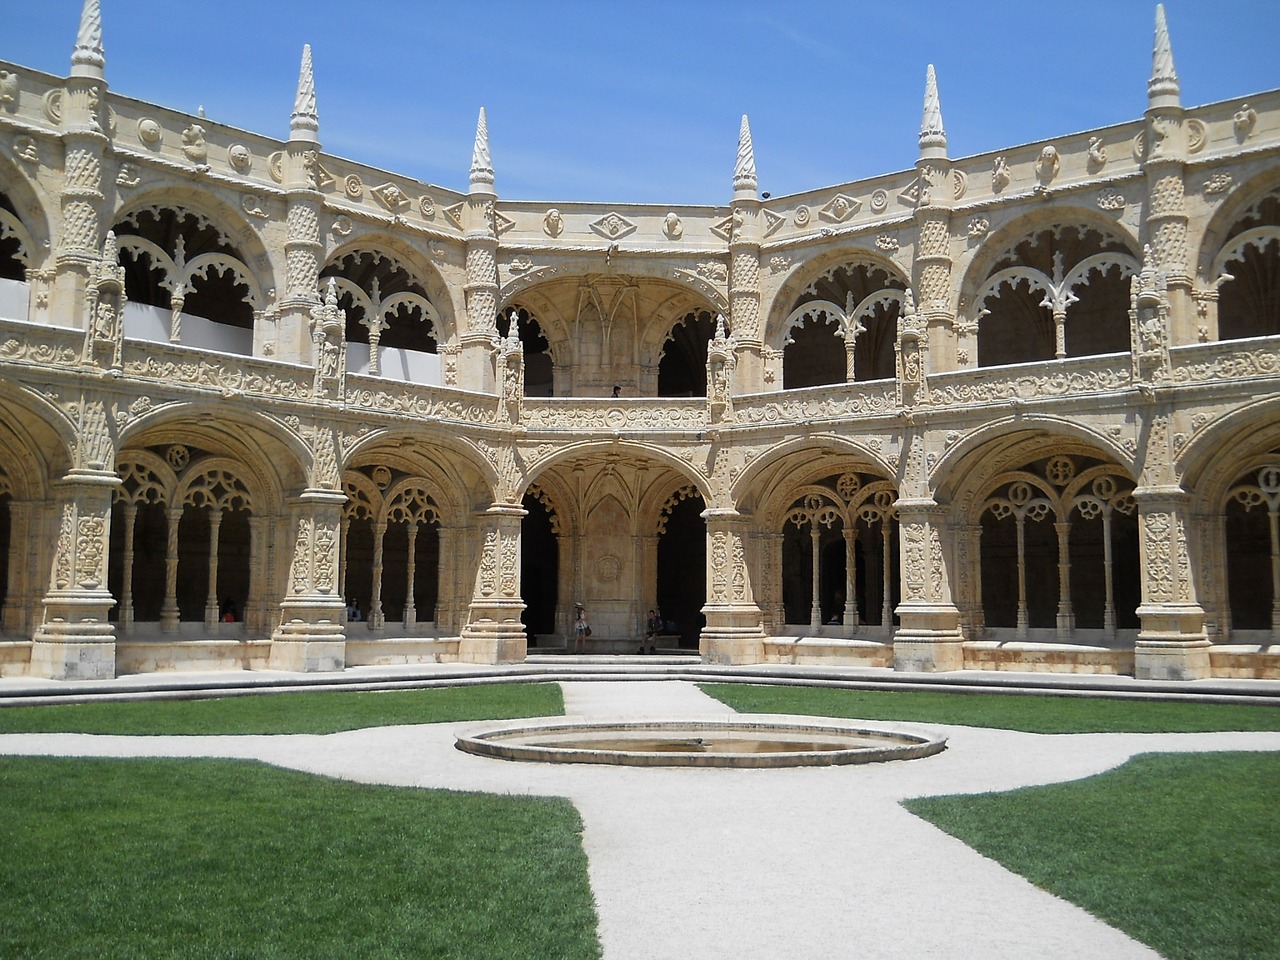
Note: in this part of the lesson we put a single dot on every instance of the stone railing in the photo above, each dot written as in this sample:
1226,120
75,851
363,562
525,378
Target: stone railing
621,415
1030,381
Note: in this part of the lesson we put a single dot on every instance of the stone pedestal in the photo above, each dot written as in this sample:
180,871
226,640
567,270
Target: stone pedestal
310,637
75,641
928,639
1172,643
734,633
494,633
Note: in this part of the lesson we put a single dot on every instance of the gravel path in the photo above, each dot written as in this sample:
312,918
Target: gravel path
807,863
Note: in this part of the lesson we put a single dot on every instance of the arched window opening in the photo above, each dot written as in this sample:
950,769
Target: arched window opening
13,265
1060,293
539,372
1059,549
181,547
539,566
682,370
843,327
682,558
840,555
814,355
392,326
178,260
1252,529
1249,302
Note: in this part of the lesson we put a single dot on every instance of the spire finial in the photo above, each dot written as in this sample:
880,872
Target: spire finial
744,169
1162,89
89,59
481,165
933,138
305,123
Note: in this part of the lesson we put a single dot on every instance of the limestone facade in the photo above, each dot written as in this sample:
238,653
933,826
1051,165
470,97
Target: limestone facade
1012,411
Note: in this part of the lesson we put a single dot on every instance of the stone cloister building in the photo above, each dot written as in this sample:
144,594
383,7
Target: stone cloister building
1012,411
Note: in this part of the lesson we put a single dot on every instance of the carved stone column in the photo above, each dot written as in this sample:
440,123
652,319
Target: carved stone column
1172,644
125,618
303,246
937,189
75,641
1167,141
928,638
254,614
746,234
475,364
83,197
211,590
376,617
734,632
411,577
494,633
169,613
310,636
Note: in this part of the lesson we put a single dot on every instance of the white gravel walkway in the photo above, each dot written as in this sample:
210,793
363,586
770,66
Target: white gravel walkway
701,864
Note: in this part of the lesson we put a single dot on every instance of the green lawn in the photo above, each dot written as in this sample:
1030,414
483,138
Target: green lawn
1181,851
226,859
1033,714
321,712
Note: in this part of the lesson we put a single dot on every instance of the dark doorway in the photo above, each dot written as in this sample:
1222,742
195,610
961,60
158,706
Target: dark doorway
682,570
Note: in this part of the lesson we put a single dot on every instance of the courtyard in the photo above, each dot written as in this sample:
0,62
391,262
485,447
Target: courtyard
812,862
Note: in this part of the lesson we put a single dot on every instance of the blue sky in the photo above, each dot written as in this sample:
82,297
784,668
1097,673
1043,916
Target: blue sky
640,102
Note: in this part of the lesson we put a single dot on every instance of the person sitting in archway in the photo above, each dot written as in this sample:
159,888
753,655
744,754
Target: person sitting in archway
228,614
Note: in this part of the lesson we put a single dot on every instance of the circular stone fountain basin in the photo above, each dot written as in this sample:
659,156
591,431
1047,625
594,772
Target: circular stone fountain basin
750,740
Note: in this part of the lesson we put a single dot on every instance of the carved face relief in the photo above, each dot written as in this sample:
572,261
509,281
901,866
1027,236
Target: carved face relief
239,158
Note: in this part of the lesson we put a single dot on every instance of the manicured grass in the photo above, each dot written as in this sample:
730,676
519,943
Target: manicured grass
1032,714
325,712
222,859
1180,851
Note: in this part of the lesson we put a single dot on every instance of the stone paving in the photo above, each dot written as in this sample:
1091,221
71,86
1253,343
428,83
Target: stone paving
707,863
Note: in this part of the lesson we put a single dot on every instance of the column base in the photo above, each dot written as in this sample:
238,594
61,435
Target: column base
921,652
308,656
732,636
493,641
76,641
1171,659
1172,644
70,660
314,645
928,639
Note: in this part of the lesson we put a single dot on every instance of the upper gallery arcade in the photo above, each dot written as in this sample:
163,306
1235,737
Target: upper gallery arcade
262,406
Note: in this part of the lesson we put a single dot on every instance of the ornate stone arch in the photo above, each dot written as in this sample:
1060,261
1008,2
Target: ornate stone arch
271,459
228,222
748,489
806,274
145,478
33,206
217,483
1045,290
437,303
963,468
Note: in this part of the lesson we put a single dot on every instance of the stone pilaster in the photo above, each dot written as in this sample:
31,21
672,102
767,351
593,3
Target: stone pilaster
928,638
303,247
310,636
494,633
75,641
1166,142
931,271
734,632
1172,643
744,269
82,202
475,362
